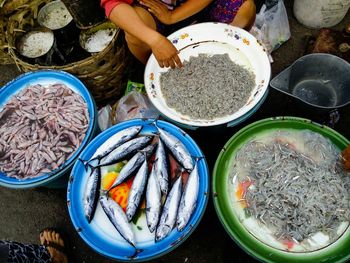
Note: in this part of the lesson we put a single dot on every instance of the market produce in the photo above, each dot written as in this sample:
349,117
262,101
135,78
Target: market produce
161,168
141,195
153,200
118,218
137,189
177,149
91,194
114,142
294,185
133,164
125,150
188,199
207,87
41,127
169,213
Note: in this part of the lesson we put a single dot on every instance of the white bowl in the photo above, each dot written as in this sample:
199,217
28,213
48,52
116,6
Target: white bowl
212,38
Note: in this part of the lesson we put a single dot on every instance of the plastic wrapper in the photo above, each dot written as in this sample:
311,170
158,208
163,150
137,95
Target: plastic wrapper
134,105
104,118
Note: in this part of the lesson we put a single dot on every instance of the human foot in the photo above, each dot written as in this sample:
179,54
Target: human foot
55,245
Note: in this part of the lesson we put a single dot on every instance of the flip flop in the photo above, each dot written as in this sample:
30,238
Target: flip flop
63,249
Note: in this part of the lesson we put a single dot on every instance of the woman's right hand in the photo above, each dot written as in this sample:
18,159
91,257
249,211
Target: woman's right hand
165,53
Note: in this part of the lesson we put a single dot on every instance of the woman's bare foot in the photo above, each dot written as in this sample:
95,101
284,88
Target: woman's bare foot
54,244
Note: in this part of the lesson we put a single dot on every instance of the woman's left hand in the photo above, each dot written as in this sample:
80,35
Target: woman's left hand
157,8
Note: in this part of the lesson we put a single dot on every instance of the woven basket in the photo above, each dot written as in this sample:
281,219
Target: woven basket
103,73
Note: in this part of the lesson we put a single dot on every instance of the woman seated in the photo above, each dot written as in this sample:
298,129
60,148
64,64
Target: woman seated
144,21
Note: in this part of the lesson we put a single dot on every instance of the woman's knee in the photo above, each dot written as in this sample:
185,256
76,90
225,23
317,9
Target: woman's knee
134,41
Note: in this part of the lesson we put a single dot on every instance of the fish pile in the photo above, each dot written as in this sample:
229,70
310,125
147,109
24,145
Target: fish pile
41,127
207,87
180,202
296,192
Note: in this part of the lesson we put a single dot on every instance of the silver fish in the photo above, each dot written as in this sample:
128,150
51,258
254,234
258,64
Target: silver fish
91,193
115,140
161,168
137,189
124,150
188,199
169,213
118,218
177,148
153,201
132,165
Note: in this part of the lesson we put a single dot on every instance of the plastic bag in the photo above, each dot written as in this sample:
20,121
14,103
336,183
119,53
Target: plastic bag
273,26
134,105
104,117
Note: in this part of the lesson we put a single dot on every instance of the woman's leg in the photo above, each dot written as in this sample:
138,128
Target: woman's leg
18,253
245,16
138,48
50,250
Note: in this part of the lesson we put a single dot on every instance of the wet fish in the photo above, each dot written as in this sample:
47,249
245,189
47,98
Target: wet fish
124,150
91,193
132,165
153,201
188,199
161,168
169,213
177,148
118,218
115,140
137,189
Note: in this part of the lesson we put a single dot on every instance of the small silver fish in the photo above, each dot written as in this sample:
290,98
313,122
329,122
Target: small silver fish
132,165
169,213
188,199
118,218
115,140
137,189
125,149
177,148
91,193
153,201
161,168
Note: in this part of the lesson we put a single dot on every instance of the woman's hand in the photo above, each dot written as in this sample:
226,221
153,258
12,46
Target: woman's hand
157,8
165,53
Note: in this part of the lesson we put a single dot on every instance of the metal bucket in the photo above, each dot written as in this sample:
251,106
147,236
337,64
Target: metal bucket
55,16
320,83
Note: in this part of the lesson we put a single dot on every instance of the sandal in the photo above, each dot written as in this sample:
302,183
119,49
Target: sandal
51,244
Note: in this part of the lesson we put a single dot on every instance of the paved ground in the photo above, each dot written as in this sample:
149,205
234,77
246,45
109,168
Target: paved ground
25,212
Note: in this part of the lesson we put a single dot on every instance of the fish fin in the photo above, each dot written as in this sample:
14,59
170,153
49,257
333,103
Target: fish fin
197,158
137,251
85,163
105,193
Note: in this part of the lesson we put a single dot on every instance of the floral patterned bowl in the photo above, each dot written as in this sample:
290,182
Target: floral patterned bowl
213,38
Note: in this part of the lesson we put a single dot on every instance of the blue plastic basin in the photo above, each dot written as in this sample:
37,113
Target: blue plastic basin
100,234
58,177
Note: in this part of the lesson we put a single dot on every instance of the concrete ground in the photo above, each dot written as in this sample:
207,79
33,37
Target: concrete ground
25,212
